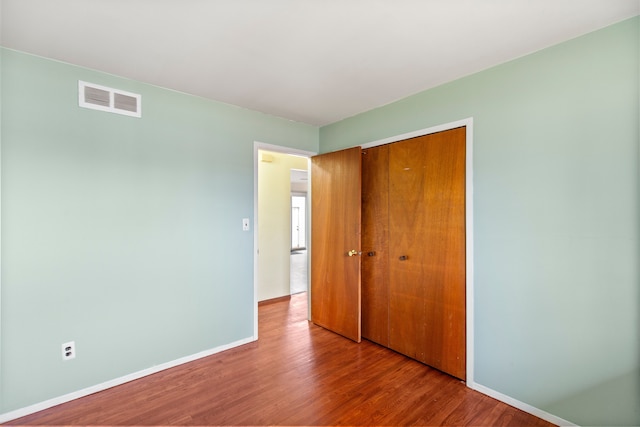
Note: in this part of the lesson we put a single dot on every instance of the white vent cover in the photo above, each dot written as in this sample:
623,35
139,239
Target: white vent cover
104,98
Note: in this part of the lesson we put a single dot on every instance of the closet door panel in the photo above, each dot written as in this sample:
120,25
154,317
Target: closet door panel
427,250
407,226
375,236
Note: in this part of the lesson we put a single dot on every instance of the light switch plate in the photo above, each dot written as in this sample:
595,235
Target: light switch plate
245,224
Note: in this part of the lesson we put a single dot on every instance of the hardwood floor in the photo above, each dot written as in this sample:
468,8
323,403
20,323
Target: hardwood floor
296,374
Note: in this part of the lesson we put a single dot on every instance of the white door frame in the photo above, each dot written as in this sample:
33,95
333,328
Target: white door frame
277,149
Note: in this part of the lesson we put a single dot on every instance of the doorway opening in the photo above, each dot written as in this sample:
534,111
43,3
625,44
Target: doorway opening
281,261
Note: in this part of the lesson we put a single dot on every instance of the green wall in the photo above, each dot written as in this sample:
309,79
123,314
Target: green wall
556,219
122,234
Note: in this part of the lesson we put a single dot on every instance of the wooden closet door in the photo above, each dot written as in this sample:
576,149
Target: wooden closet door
375,244
335,241
427,250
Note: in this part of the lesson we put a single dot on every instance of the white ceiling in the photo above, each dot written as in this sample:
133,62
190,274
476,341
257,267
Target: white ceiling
313,61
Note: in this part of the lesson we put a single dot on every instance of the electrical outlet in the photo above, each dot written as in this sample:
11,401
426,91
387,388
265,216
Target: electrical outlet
69,350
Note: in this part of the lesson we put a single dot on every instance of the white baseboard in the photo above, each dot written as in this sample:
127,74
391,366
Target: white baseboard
18,413
8,416
521,405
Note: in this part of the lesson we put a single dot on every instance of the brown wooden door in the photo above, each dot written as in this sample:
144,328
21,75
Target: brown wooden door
335,230
427,250
375,244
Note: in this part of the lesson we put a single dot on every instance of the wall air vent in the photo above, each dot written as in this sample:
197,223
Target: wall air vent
104,98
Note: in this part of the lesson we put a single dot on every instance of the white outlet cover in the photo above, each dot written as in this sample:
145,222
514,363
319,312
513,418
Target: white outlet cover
69,350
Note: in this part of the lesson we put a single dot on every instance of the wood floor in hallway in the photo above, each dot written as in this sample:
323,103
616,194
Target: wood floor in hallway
296,374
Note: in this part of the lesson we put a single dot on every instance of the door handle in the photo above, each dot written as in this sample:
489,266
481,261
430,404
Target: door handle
403,258
353,252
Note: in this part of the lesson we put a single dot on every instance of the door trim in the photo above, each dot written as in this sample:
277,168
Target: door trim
257,145
468,123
